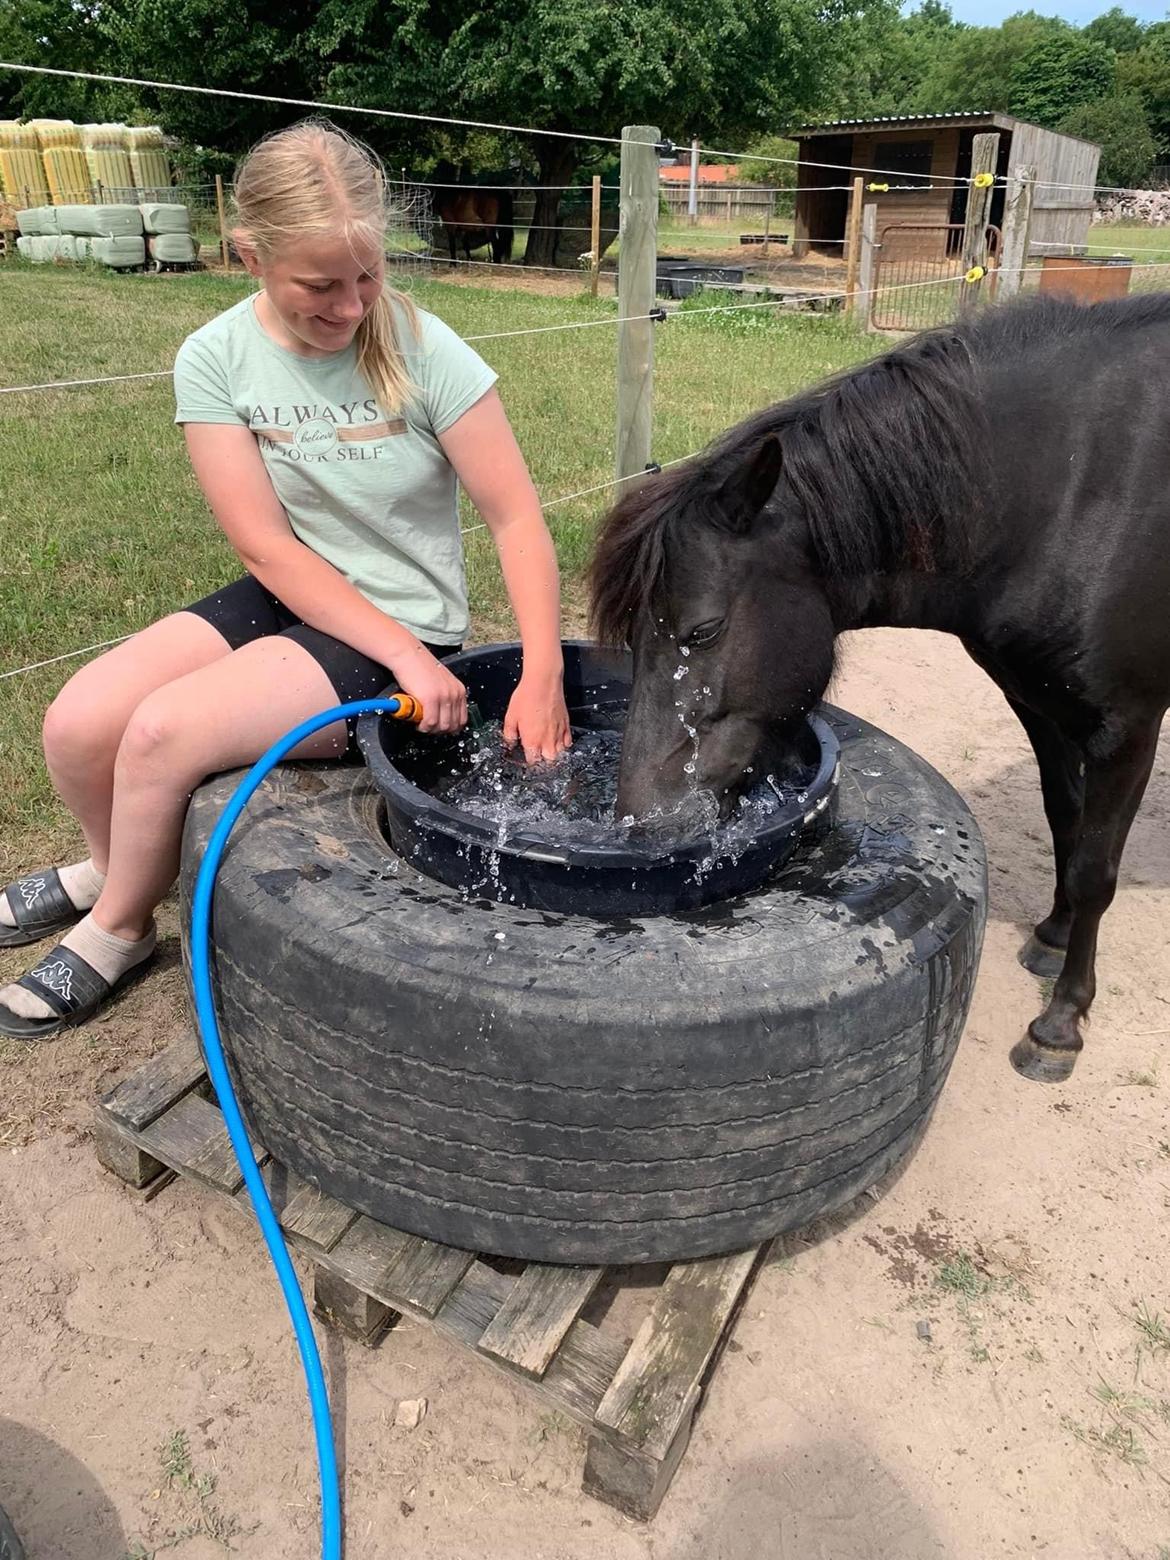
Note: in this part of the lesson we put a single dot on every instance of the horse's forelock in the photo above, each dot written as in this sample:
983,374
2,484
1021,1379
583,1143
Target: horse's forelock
629,561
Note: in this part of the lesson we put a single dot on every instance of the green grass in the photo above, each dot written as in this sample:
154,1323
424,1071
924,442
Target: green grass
1144,243
105,530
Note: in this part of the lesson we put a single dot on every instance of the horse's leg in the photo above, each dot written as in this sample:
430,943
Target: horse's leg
1063,788
1114,785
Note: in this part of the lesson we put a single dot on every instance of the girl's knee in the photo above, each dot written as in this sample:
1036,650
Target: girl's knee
155,732
77,729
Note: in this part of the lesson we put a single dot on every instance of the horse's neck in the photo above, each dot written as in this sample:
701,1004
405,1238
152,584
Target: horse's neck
907,600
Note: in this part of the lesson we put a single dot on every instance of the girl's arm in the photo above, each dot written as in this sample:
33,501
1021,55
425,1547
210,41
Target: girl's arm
488,462
230,470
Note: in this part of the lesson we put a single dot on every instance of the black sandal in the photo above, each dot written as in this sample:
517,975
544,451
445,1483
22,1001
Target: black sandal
40,907
71,987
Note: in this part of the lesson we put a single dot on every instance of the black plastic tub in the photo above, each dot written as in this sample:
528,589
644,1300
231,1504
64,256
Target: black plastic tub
633,878
682,278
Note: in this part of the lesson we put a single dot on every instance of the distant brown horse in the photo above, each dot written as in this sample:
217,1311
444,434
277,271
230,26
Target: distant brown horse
473,217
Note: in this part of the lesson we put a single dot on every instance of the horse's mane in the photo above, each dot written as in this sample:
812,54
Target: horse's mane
884,462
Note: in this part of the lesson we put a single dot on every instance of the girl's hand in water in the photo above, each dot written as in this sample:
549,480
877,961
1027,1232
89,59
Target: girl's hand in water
537,718
442,696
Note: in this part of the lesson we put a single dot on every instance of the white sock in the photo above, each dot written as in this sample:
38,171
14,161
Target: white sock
110,956
82,882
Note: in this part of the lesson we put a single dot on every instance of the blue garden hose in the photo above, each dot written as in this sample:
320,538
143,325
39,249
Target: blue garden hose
402,708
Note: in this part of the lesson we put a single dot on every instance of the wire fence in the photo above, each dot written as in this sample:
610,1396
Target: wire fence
905,295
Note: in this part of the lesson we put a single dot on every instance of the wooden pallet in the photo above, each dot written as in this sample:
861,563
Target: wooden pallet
636,1398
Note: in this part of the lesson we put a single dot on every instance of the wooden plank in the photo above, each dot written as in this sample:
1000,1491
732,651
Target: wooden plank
1017,222
636,273
423,1274
984,158
225,253
629,1480
191,1137
582,1367
156,1085
853,243
120,1156
404,1271
869,266
364,1254
657,1385
530,1325
350,1310
307,1215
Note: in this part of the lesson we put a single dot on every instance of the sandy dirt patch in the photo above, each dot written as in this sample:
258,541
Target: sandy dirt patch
975,1364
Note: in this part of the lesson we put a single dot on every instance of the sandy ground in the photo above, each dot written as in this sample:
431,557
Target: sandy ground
1029,1232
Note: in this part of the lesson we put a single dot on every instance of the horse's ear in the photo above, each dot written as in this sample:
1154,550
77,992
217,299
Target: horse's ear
749,487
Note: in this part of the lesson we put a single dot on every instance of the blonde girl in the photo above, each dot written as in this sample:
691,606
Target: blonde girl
329,423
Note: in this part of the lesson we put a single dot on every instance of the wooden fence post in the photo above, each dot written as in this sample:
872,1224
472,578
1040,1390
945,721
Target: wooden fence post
853,244
867,265
984,156
225,252
595,235
637,266
1017,224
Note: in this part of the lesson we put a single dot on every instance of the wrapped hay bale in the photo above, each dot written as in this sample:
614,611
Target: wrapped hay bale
172,248
83,247
66,247
149,162
40,249
22,173
101,221
63,159
165,217
122,252
107,156
37,221
24,247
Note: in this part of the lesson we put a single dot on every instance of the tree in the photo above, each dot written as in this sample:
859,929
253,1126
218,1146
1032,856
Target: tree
1059,73
1118,125
722,69
772,160
1116,30
244,47
886,57
1146,74
62,33
973,67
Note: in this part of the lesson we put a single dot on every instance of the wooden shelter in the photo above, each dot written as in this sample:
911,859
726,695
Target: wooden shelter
926,160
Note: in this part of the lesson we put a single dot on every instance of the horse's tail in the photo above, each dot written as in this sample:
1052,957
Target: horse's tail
505,231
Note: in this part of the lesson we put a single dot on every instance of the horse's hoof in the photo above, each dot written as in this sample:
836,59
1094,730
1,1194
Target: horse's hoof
1041,958
1043,1063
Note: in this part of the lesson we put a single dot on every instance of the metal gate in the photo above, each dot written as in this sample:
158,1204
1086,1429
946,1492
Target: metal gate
916,280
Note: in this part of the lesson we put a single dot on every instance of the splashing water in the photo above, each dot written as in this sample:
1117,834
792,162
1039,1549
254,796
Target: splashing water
571,800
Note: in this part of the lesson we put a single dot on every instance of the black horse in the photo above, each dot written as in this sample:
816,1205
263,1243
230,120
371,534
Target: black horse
1006,480
473,217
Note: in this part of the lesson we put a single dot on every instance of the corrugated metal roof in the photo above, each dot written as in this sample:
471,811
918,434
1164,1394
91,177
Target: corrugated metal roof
903,119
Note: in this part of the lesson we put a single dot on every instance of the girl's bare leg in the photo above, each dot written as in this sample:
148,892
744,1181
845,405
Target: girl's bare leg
224,715
218,718
85,723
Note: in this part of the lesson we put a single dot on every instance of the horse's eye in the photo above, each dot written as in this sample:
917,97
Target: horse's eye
702,635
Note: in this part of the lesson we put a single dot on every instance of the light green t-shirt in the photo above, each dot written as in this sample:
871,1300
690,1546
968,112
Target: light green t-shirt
372,494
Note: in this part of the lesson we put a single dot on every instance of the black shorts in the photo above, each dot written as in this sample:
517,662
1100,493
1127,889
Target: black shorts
244,611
